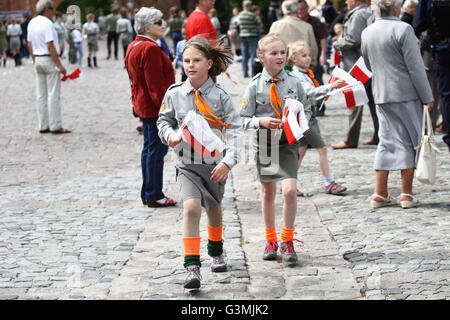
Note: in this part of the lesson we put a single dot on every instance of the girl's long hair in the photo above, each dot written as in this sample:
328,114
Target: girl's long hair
222,57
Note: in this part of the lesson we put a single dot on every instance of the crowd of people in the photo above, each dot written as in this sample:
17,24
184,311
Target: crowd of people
286,58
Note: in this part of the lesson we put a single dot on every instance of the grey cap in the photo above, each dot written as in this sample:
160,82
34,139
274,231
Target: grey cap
246,3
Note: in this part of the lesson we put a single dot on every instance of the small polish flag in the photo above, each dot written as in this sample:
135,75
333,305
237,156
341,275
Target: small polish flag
355,96
338,73
335,58
295,124
73,75
360,71
196,132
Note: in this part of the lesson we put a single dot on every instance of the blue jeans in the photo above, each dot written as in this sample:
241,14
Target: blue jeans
79,47
248,46
152,162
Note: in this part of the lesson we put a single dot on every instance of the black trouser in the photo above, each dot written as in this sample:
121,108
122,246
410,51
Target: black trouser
113,37
442,58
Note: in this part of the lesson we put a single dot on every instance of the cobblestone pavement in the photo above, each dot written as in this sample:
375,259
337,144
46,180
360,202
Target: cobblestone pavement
73,227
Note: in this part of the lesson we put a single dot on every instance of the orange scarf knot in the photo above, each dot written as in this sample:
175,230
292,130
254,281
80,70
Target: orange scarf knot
310,74
205,111
275,100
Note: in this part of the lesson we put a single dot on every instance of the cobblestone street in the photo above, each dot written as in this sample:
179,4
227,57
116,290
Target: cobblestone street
72,225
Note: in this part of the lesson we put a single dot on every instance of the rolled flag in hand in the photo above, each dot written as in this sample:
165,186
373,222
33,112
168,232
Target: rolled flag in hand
360,71
338,73
335,58
196,132
355,96
73,75
295,124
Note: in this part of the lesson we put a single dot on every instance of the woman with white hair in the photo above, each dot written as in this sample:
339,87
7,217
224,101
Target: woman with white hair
409,8
151,74
400,89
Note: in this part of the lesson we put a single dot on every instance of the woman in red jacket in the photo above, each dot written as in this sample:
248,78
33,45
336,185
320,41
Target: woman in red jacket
151,73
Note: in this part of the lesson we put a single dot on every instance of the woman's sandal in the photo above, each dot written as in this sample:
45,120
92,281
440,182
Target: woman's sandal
167,203
378,204
406,204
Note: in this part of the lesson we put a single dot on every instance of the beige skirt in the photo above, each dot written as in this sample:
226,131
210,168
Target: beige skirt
195,183
275,159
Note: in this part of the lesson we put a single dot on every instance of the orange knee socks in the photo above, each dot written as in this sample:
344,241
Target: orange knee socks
215,233
271,235
287,234
215,243
191,246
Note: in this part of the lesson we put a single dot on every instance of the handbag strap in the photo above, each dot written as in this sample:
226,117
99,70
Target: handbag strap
427,126
427,130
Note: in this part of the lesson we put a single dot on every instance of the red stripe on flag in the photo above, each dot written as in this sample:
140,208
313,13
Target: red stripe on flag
288,131
349,98
197,146
359,74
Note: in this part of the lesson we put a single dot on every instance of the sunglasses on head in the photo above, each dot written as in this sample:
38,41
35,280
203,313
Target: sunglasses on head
159,22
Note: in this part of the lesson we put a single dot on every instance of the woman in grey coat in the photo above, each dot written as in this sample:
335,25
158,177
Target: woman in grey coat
400,88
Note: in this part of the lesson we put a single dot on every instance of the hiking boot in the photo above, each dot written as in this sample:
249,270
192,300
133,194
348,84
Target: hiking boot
193,278
270,253
288,253
218,264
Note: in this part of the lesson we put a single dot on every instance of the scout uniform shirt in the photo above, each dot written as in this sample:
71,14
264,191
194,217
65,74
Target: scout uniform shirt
180,99
256,101
312,91
275,158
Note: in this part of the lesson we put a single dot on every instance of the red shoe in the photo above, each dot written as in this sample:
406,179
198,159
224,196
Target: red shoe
166,202
334,188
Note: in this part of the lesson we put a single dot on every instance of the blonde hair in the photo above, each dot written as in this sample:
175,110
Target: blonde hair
222,57
295,48
90,16
270,38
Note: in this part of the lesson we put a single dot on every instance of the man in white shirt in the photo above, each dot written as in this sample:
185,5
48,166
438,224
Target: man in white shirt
44,49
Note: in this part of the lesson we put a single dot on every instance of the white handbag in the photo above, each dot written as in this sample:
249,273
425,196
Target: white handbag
426,164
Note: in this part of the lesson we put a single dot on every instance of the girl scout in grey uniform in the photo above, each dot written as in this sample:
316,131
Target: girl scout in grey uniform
275,159
300,57
202,180
92,31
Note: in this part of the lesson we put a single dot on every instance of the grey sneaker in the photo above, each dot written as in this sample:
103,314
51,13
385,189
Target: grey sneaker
218,264
288,253
193,279
270,253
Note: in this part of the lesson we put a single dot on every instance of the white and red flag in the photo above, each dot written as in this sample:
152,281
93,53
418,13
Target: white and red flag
295,124
196,132
355,96
335,58
338,73
360,71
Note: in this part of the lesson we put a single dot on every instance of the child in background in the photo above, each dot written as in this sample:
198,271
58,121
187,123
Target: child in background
202,181
179,53
300,58
276,160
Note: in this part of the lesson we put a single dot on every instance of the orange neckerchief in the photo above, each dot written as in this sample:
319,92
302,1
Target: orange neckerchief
275,100
205,111
310,74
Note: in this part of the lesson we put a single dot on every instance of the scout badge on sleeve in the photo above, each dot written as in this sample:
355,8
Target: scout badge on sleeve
196,132
295,124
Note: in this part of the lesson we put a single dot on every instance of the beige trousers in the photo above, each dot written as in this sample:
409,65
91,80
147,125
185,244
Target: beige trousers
48,89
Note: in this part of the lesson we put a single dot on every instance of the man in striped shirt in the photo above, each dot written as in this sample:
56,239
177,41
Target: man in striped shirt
250,26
